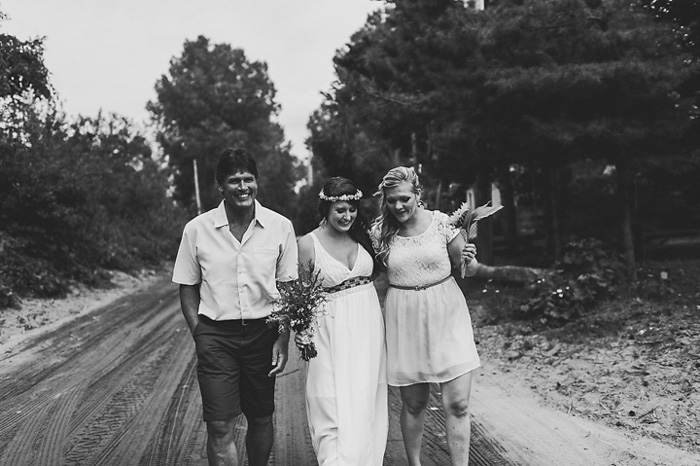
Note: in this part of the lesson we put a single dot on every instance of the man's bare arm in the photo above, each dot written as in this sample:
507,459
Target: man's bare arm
189,303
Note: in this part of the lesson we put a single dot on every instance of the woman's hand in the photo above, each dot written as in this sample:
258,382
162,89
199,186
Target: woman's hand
468,253
302,338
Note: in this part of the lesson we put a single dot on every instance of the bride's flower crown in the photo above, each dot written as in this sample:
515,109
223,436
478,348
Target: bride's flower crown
345,197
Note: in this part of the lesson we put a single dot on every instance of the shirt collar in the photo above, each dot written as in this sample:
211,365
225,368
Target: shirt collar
221,220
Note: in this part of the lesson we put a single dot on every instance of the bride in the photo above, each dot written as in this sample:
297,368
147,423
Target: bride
346,389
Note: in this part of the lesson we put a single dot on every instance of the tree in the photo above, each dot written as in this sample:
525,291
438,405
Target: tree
79,197
213,98
580,80
76,196
22,73
403,94
539,84
685,14
22,67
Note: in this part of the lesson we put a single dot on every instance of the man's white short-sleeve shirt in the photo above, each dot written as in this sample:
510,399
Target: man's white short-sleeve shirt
238,279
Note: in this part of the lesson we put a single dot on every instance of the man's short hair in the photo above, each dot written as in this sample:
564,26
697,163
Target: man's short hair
234,160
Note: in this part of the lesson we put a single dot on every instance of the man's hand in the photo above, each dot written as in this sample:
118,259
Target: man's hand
280,354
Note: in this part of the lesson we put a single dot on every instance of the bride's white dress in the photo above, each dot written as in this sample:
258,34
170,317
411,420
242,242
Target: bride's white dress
346,388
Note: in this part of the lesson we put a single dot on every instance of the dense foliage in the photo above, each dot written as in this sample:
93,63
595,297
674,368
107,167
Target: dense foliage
212,98
524,92
21,67
77,196
584,113
587,274
685,14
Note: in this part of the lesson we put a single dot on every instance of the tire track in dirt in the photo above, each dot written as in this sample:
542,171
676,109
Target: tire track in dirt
126,413
57,427
119,386
483,449
292,440
106,381
21,446
58,355
170,444
434,451
146,396
93,379
104,433
134,437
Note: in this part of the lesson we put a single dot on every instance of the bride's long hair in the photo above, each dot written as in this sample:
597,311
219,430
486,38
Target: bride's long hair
386,223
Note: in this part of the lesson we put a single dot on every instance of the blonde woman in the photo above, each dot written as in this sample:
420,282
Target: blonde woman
428,327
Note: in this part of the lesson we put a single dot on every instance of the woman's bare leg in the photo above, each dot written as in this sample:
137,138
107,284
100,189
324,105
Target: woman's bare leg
415,400
455,402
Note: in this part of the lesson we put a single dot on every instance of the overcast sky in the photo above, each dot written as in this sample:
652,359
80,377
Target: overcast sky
108,54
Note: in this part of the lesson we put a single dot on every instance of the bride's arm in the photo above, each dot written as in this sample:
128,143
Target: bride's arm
305,244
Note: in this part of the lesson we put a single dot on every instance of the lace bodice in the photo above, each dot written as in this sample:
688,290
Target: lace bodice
422,259
333,271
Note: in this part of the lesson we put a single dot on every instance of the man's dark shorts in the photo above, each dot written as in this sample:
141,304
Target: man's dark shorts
233,360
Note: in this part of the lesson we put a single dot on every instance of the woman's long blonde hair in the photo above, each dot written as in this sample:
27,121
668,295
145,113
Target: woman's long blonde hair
385,222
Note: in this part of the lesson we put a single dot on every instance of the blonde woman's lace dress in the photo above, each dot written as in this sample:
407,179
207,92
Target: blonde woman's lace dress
428,328
346,389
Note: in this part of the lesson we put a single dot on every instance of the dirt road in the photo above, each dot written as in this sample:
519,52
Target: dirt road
118,386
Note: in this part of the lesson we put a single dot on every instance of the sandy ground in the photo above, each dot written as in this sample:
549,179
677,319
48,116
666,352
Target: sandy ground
545,404
641,379
534,432
43,315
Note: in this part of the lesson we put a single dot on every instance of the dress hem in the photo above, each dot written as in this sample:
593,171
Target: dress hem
435,381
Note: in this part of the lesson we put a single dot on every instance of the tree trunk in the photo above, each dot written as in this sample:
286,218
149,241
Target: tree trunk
508,201
396,157
414,152
197,198
484,238
438,195
552,190
637,226
623,190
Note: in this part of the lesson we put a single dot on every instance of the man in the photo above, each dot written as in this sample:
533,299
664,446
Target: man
227,266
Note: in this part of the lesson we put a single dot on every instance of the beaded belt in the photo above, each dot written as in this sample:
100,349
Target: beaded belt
420,287
349,283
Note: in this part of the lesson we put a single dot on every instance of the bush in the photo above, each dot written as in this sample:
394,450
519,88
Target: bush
587,274
21,274
76,199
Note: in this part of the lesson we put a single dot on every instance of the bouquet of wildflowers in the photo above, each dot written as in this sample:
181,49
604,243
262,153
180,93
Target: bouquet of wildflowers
465,219
300,305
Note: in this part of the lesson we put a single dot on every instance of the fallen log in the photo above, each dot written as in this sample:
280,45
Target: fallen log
510,273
